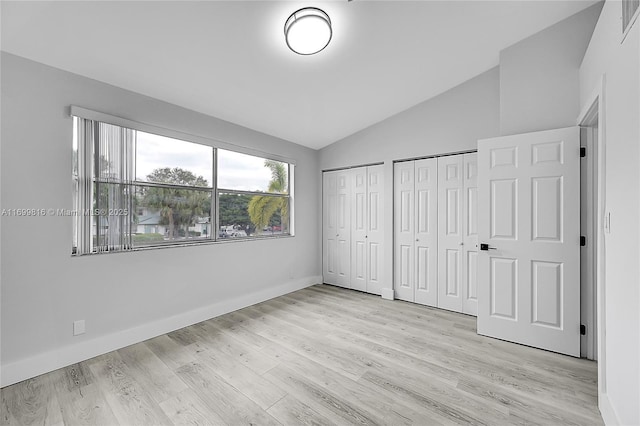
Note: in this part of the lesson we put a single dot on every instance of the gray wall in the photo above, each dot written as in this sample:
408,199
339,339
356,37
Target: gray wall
619,64
450,122
539,87
124,297
534,88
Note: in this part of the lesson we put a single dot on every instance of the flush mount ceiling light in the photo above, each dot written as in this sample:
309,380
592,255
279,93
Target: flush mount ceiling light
308,31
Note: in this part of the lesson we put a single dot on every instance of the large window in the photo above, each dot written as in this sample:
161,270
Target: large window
135,189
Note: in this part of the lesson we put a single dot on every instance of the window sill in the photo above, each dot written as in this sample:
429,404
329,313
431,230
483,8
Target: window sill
191,244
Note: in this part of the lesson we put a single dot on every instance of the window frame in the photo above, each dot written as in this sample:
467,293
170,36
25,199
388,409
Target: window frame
214,219
288,196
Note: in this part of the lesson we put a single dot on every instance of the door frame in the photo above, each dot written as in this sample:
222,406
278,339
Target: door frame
593,111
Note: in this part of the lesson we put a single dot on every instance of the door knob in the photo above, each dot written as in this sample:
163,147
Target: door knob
485,246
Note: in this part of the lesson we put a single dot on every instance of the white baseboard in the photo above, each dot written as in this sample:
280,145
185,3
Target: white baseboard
387,293
607,411
61,357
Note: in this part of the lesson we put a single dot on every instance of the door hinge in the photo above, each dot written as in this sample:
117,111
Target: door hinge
583,240
583,151
583,329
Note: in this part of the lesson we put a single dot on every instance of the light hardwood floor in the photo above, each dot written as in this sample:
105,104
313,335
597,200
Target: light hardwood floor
319,356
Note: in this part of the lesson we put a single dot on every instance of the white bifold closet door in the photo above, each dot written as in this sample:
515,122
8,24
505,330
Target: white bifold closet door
353,211
336,228
367,232
416,235
450,183
329,227
470,235
435,232
457,233
343,229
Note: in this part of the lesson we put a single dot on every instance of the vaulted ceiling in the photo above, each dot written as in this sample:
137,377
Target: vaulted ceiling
229,59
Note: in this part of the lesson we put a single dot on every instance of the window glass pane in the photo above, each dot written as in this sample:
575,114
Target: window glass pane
170,215
245,215
167,160
243,172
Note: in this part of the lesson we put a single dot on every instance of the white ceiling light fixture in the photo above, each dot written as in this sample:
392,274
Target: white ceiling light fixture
308,31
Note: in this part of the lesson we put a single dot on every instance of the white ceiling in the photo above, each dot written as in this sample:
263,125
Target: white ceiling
228,59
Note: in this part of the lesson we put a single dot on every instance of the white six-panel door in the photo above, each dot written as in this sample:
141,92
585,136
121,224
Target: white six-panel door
450,232
470,235
375,229
426,232
529,217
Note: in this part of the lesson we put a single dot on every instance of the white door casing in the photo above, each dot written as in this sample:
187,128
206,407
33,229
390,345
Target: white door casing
375,229
529,215
470,235
450,232
330,227
426,232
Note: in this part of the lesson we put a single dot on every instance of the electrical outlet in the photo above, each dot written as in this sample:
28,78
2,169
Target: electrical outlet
78,327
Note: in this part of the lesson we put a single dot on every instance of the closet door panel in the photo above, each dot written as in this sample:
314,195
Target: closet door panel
343,221
404,230
450,232
375,232
470,239
426,231
330,228
359,229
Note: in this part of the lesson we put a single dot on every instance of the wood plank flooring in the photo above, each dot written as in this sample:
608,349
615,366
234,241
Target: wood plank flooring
319,356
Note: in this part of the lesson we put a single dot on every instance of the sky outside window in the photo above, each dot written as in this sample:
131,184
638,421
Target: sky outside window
155,152
243,172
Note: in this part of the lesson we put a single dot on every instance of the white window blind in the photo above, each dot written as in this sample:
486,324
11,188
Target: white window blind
629,10
105,172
